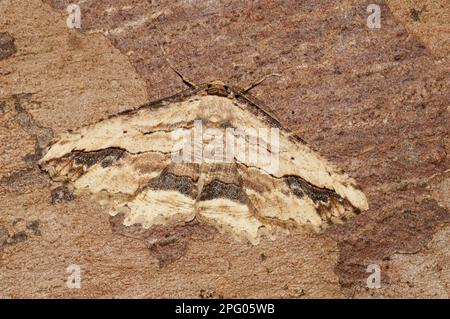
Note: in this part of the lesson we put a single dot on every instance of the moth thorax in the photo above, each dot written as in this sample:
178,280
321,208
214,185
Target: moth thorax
217,88
215,109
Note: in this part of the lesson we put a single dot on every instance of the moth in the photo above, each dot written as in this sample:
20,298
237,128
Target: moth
127,163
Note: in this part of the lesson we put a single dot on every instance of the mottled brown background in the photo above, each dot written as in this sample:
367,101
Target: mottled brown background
374,102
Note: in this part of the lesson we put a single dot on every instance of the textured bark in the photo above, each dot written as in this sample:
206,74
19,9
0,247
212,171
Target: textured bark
375,102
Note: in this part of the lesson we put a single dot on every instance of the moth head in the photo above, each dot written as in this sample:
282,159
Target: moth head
217,87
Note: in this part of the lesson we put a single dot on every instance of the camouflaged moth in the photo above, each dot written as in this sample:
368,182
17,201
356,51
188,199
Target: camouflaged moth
126,161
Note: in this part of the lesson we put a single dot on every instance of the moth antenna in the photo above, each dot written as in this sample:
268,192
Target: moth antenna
256,83
183,78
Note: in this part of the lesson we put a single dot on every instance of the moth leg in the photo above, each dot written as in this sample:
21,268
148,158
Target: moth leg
183,78
258,82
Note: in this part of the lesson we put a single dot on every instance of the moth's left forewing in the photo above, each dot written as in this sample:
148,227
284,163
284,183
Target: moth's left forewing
143,130
118,155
